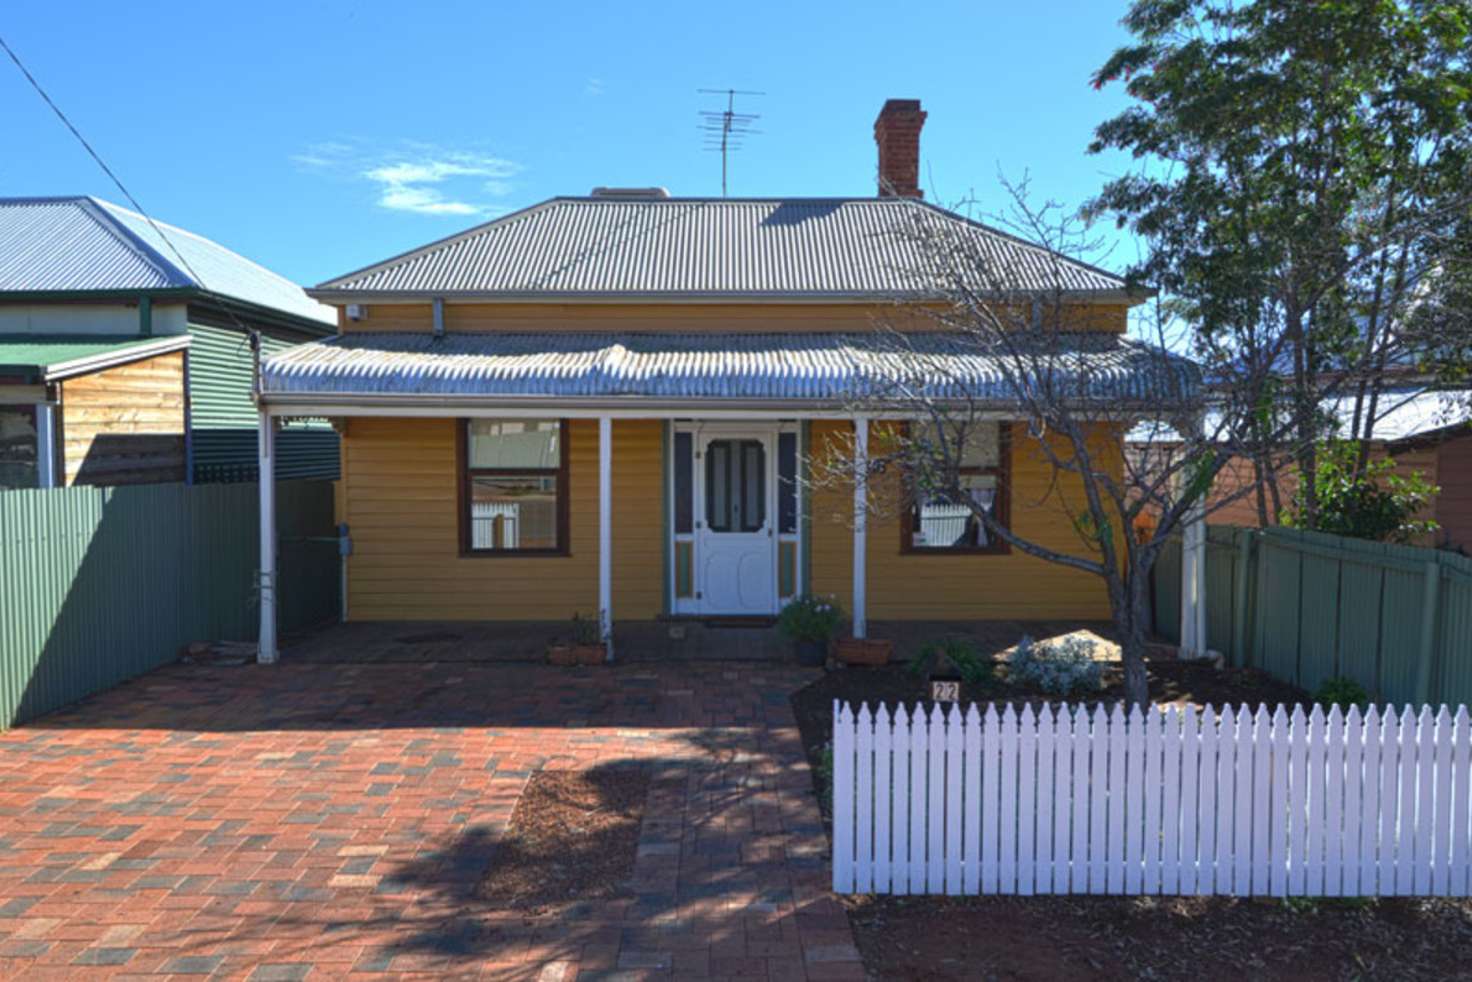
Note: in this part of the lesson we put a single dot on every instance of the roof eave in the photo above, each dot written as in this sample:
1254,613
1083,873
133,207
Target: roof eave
345,296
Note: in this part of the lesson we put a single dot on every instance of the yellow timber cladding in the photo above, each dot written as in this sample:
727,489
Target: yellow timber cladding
399,494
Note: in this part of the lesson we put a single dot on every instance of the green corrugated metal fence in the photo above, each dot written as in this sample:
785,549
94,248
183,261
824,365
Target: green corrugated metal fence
103,583
1308,606
222,415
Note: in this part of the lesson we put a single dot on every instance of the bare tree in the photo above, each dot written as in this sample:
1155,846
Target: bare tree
1007,338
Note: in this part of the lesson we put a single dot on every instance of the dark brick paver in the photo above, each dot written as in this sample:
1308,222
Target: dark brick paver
315,821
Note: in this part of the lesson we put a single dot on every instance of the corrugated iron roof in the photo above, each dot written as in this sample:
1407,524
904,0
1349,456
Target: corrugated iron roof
719,248
778,368
86,244
48,357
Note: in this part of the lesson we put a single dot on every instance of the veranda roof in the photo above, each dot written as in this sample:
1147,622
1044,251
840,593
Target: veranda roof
776,370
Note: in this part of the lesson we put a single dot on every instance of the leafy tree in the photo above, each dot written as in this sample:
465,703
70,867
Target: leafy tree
1306,187
1363,501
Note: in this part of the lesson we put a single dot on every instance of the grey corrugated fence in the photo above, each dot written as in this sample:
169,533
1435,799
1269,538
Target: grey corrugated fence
101,584
1307,606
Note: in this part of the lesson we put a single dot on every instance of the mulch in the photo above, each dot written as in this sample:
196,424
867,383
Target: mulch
573,837
1012,939
1077,938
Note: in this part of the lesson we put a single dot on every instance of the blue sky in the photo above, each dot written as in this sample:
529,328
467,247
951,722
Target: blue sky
317,137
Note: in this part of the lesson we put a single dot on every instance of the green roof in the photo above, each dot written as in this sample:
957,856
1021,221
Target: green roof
49,357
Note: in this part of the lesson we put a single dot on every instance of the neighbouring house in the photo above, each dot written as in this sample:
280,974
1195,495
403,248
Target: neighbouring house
607,404
124,361
1423,430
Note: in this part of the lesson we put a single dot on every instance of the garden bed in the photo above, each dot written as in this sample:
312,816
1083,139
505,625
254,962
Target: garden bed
1066,938
1195,938
572,838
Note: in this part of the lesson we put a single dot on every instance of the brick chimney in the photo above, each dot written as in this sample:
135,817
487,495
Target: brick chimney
897,131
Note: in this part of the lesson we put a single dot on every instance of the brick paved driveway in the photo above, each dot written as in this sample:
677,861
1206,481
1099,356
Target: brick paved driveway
312,821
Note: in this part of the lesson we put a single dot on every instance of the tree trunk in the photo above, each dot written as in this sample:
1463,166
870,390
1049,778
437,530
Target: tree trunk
1132,625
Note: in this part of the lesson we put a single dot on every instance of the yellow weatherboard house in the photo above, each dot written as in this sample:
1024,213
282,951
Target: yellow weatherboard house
607,405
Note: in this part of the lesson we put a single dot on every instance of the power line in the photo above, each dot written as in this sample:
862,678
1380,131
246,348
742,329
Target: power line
100,162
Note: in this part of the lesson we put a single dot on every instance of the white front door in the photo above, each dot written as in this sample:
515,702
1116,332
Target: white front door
735,521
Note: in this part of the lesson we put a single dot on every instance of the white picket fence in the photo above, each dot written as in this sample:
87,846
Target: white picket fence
1174,802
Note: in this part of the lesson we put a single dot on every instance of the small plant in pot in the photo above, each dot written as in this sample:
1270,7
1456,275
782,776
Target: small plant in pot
583,646
810,622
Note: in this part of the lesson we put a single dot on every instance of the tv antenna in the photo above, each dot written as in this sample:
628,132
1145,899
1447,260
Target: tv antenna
726,130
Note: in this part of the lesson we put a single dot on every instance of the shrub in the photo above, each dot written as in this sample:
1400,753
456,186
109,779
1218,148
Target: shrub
959,654
1342,692
1370,502
1059,668
809,618
585,631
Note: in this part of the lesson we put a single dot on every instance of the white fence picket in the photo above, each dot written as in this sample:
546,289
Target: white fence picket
935,745
1027,812
843,798
899,871
863,809
1405,852
1441,826
1354,755
1049,790
990,791
954,791
1278,813
1007,816
1333,792
883,800
1067,800
1081,807
973,817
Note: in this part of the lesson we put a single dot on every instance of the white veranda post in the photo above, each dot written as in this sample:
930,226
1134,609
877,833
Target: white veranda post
861,522
266,652
1193,583
605,532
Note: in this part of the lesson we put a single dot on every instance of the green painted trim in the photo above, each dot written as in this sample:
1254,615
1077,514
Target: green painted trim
666,536
145,316
805,503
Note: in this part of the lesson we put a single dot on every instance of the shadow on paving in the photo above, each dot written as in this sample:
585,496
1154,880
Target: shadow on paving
694,894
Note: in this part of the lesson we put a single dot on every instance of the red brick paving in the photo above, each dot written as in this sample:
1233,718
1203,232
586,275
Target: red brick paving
321,821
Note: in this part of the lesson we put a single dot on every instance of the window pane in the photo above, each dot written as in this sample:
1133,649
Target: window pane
684,484
718,486
753,486
787,482
17,447
513,511
941,522
507,444
980,444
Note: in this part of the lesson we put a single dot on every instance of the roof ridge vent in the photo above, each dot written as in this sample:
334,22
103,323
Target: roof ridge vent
631,194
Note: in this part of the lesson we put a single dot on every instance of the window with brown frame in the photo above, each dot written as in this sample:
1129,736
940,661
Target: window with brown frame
513,487
943,524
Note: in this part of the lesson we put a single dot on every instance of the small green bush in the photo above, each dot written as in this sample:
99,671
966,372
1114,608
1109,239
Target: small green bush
958,654
1342,692
1059,668
810,618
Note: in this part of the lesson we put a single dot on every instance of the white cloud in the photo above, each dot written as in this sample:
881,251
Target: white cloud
420,178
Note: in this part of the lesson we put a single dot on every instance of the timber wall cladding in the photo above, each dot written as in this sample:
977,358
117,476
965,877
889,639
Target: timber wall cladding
399,497
1069,800
916,586
125,425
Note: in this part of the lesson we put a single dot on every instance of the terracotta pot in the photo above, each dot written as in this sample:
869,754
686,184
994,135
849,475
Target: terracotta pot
866,651
575,654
